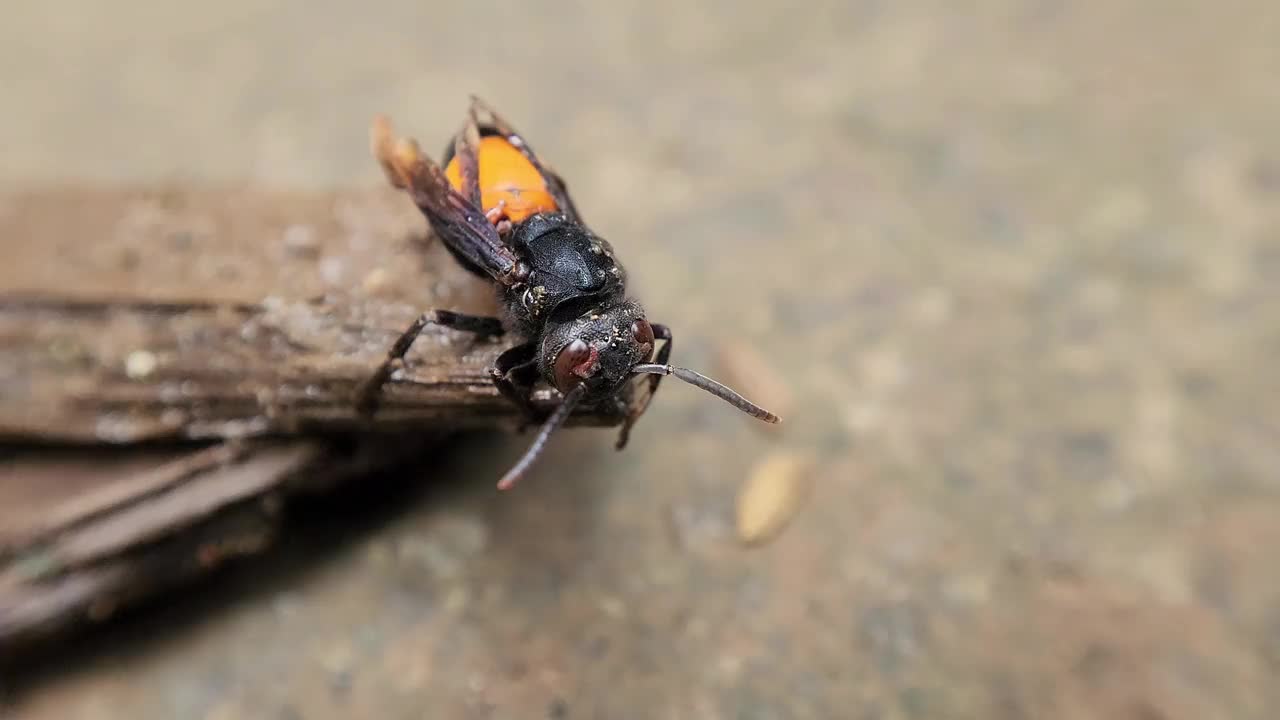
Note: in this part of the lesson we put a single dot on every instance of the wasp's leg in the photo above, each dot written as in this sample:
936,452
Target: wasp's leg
660,332
367,394
514,373
456,218
555,184
498,216
497,213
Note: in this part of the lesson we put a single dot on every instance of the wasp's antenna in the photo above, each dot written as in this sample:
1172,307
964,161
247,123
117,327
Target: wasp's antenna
555,421
711,386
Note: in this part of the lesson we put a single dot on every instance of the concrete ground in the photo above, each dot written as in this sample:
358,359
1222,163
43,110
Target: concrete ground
1015,262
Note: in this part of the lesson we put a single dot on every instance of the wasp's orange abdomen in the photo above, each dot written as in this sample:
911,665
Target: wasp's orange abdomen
507,176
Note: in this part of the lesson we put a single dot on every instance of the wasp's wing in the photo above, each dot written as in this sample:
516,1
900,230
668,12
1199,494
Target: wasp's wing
555,184
468,155
457,220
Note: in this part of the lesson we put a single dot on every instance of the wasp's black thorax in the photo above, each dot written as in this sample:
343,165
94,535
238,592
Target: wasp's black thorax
570,271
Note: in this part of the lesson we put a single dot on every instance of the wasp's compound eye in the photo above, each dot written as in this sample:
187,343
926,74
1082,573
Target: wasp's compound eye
642,331
571,364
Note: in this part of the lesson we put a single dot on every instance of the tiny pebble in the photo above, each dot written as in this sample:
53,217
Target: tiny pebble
140,364
772,496
376,281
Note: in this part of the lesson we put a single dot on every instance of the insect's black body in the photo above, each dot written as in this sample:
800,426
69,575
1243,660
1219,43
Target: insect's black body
562,288
571,270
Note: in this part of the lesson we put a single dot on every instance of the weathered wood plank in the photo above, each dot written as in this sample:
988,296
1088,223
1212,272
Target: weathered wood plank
132,317
215,314
86,531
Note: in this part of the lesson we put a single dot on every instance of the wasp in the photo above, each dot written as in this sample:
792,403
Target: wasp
508,218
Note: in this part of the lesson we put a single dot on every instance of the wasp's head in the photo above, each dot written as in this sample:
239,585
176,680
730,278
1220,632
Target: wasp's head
595,354
598,349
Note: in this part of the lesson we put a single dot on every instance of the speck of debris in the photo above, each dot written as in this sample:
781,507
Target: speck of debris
376,281
140,364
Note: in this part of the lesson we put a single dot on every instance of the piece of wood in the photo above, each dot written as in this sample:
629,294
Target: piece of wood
87,531
135,322
130,316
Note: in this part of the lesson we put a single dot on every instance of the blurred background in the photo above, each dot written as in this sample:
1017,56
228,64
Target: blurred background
1011,267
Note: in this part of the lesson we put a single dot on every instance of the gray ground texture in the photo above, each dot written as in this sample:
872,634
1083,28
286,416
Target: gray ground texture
1016,264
